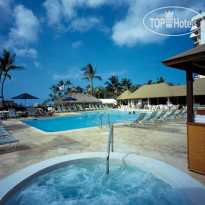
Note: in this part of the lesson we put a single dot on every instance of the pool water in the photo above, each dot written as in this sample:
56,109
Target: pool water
87,183
85,120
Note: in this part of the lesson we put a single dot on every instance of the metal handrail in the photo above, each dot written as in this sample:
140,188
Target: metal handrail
95,114
94,118
110,140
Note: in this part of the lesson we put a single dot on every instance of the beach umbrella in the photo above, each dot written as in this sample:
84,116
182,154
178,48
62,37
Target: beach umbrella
25,96
69,98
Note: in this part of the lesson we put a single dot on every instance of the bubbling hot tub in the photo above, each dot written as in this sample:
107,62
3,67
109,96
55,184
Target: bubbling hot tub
81,179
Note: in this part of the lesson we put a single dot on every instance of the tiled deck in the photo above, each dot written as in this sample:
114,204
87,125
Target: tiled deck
166,143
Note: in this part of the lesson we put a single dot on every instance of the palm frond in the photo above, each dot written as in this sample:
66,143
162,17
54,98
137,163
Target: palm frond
98,77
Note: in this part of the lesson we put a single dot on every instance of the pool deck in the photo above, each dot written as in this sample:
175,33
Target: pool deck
166,142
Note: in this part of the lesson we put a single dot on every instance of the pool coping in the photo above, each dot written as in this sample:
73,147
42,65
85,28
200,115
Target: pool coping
194,190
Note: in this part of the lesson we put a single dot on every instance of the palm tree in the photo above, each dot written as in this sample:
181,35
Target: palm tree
89,73
149,82
6,65
125,84
135,87
68,83
113,86
170,84
160,80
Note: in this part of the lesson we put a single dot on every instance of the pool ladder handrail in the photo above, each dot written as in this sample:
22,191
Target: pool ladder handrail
95,116
110,141
101,118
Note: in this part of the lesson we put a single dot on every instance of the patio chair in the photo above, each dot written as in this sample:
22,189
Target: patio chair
106,107
96,107
93,107
139,119
12,113
9,140
32,112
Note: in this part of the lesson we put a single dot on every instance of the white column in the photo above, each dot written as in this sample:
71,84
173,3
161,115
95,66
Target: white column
168,100
148,101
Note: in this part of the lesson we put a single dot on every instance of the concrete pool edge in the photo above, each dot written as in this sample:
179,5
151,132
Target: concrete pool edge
176,178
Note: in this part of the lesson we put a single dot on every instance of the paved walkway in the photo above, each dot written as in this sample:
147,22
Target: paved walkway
167,143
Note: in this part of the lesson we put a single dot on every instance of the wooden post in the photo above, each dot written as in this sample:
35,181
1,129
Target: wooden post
189,98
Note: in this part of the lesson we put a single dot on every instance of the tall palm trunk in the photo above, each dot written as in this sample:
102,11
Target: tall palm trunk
2,90
91,86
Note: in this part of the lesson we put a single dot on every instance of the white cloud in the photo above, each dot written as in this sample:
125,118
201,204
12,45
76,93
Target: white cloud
5,13
36,64
63,15
29,52
77,44
66,9
72,73
112,73
5,4
130,30
84,24
25,29
53,9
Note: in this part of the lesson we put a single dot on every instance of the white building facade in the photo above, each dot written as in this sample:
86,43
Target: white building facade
198,33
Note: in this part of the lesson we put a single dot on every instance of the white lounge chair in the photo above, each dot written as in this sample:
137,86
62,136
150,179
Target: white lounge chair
9,140
32,112
12,113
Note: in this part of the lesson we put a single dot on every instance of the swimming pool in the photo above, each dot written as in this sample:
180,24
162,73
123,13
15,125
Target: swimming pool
85,120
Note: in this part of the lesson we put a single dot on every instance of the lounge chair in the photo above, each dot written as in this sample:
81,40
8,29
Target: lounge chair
64,108
32,112
167,117
96,107
160,117
183,114
150,119
9,140
75,109
139,119
3,132
59,108
176,115
80,108
12,113
93,107
100,106
69,109
90,107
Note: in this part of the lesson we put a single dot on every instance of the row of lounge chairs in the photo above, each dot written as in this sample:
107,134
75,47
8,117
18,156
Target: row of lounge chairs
31,112
64,108
95,107
155,118
6,139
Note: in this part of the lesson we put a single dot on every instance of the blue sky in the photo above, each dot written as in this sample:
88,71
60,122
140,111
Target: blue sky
53,39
